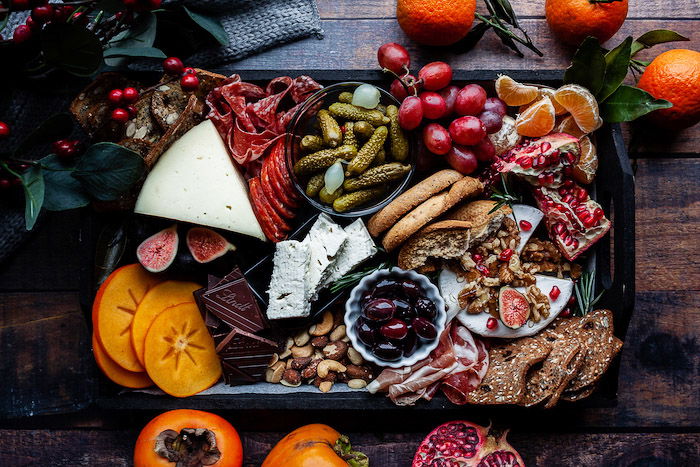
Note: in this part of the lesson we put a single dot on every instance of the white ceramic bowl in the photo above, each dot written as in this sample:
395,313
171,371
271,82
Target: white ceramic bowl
353,311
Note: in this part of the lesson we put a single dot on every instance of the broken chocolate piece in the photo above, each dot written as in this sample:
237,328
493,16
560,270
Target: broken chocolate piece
234,303
247,352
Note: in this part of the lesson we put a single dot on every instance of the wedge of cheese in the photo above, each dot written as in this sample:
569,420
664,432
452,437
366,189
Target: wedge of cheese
196,181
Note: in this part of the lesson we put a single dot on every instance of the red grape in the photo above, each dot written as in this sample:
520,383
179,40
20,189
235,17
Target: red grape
470,100
494,104
410,113
491,120
437,139
394,57
398,90
435,75
467,130
450,95
484,150
462,159
434,105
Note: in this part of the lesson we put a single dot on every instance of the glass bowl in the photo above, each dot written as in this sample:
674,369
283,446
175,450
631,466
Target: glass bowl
304,122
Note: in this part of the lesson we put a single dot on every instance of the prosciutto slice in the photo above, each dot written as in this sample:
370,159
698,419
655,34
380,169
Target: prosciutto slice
456,366
250,119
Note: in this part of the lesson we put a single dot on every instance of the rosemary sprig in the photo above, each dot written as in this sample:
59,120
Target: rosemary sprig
585,293
502,18
352,279
503,197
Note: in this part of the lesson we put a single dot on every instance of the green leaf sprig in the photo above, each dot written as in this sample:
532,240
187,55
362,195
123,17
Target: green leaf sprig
504,197
352,279
585,293
603,71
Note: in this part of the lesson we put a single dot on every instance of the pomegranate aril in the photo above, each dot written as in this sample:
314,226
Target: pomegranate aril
598,213
574,245
546,146
524,162
554,293
482,269
567,199
559,228
562,191
491,323
581,194
477,258
505,255
566,312
525,225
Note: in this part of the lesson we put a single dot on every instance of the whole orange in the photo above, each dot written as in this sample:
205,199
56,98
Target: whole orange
675,76
573,20
435,22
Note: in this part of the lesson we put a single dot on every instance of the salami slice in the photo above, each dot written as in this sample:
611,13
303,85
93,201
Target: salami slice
275,200
261,209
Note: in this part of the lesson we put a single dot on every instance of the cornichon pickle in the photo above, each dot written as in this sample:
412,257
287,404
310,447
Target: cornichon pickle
397,138
377,176
345,97
369,150
311,143
379,159
351,112
314,185
349,138
381,108
329,198
329,129
323,159
356,198
363,129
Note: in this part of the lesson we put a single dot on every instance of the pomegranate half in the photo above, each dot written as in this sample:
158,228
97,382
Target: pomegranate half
462,444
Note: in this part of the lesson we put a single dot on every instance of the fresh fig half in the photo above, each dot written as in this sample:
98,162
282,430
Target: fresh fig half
205,245
513,307
158,251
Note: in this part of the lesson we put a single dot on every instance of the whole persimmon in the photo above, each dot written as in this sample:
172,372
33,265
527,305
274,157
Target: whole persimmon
574,20
675,76
188,437
435,22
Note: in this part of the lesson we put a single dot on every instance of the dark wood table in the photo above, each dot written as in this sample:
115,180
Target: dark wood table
44,335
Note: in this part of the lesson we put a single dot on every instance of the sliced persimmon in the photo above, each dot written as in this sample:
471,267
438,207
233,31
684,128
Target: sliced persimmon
113,311
114,372
160,297
179,355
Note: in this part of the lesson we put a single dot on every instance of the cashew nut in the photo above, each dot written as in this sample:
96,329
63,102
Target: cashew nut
290,385
357,383
287,348
302,339
338,333
274,375
324,327
325,386
329,365
274,359
305,351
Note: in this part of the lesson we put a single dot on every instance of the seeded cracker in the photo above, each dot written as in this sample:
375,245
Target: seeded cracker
542,383
572,370
504,382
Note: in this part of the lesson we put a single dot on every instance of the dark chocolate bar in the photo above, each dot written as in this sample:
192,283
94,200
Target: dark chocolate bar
247,352
233,303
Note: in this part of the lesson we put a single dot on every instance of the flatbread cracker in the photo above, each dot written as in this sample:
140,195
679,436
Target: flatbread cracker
542,383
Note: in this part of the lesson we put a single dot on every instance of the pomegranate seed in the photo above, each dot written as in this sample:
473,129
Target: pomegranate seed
540,178
549,179
567,199
565,313
580,208
568,240
491,323
524,162
555,154
598,213
570,158
572,300
482,269
120,115
525,225
505,254
477,258
574,245
581,194
573,203
115,96
554,293
568,183
546,146
531,148
562,191
561,208
541,160
559,228
589,221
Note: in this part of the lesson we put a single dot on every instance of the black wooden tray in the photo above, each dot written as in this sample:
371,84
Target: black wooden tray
613,257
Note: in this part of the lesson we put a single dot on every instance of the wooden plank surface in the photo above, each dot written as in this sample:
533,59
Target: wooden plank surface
95,448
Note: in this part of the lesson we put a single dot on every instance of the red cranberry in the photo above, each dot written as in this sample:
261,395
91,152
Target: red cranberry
131,3
22,34
491,323
189,71
132,111
505,254
131,95
554,293
64,149
4,130
42,14
566,312
189,82
33,25
115,96
173,66
394,329
525,225
120,115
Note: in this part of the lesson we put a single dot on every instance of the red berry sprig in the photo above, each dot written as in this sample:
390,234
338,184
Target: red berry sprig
66,148
122,99
188,75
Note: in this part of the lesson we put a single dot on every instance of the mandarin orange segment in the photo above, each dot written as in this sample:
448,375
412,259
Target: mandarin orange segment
568,125
160,297
113,312
114,372
513,93
587,165
581,104
179,355
558,109
537,120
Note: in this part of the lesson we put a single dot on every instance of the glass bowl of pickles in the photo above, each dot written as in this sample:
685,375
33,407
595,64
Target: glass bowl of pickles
345,152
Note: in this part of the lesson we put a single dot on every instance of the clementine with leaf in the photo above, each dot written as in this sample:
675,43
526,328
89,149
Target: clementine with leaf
573,20
537,120
435,22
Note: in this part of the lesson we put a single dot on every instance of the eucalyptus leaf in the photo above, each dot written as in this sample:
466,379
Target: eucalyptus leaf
211,25
108,170
588,66
62,190
33,184
109,249
474,36
55,127
141,34
628,103
617,63
142,52
72,48
655,37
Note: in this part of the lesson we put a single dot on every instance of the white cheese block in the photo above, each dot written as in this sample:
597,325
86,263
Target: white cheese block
358,248
325,240
451,285
288,292
196,181
527,213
